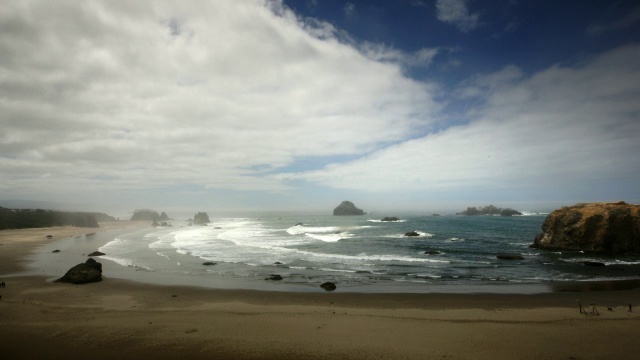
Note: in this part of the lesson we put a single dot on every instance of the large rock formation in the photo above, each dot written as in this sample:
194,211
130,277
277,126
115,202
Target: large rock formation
201,218
347,208
145,215
87,272
600,227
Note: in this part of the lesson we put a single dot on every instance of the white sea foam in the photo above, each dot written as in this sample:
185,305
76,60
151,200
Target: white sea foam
366,257
581,260
302,229
533,213
426,275
329,237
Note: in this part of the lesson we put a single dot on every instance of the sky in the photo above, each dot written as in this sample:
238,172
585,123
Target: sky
417,105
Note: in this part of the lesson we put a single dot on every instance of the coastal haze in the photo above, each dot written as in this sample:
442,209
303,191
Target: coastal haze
415,106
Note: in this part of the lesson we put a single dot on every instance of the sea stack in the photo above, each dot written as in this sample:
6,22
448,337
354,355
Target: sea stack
609,228
201,218
347,208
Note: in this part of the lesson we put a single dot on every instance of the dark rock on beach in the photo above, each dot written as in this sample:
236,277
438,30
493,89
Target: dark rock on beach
328,286
96,253
608,228
347,208
87,272
208,263
509,257
274,277
56,251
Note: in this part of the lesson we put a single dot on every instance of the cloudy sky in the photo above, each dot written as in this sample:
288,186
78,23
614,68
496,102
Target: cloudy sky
281,104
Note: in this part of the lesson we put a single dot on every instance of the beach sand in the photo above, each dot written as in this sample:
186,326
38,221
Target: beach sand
127,320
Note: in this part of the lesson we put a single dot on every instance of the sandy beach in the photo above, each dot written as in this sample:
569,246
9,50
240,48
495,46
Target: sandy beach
118,318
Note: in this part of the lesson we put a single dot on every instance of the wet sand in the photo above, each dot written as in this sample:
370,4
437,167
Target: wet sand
118,318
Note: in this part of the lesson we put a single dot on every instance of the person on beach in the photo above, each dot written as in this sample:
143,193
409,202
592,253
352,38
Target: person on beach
3,285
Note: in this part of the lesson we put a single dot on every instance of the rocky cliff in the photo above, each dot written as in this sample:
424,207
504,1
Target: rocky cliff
347,208
599,227
27,218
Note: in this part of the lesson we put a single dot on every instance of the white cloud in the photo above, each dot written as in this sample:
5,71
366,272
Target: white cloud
566,130
383,53
456,12
129,95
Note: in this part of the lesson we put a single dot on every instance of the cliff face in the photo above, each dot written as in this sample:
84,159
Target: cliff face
24,218
598,227
347,208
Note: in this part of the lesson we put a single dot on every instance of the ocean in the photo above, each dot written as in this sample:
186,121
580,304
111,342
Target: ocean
357,253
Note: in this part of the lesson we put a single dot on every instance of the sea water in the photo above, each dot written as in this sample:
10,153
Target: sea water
358,253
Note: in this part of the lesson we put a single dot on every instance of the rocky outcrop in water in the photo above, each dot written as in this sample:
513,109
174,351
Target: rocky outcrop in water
87,272
612,228
489,210
347,208
201,218
390,218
